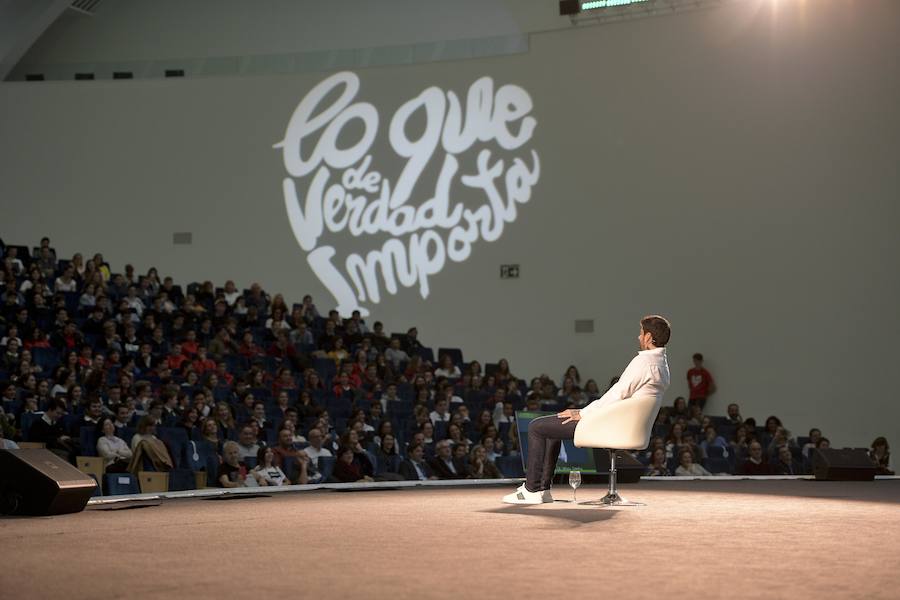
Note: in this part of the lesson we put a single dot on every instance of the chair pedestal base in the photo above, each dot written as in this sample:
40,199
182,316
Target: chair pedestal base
612,499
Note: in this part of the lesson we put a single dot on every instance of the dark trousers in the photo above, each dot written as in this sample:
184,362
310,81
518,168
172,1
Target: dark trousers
545,435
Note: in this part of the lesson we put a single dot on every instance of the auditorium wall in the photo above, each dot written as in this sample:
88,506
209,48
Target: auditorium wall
734,169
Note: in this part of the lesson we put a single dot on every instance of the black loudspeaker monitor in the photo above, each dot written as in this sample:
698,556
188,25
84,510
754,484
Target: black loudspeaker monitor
38,482
843,464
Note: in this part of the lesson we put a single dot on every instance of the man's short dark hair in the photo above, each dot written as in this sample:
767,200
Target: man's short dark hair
658,328
697,356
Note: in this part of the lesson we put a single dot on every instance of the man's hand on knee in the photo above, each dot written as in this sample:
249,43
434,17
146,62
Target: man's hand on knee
569,415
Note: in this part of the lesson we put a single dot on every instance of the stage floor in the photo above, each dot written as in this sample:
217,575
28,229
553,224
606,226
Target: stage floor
709,539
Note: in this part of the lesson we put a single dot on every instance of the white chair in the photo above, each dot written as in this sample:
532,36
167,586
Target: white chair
624,425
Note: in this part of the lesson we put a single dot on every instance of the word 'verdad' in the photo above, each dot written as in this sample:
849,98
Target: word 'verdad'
362,201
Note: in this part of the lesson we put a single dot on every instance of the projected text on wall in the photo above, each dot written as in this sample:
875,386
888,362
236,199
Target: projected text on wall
334,190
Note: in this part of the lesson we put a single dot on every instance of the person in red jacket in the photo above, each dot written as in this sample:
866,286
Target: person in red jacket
700,381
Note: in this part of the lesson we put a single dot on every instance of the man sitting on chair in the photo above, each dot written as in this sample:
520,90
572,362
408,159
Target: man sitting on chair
647,373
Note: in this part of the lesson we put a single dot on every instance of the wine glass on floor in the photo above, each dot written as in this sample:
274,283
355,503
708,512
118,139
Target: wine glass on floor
574,481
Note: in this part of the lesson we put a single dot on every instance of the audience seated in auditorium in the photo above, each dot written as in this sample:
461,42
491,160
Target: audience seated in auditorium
211,361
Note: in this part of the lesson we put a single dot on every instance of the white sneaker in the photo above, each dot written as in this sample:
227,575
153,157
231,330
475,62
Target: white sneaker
546,497
523,496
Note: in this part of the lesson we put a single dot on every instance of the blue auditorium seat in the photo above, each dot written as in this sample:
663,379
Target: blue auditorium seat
87,440
510,466
175,438
716,465
181,480
715,452
326,467
118,484
25,423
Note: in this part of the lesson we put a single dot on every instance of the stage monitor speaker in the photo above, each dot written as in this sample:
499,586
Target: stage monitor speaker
38,482
843,464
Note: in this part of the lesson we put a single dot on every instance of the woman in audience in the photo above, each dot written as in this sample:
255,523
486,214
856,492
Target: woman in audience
658,466
312,381
351,439
189,420
447,368
688,468
695,415
88,298
485,419
881,455
455,435
675,439
781,437
338,353
592,391
77,264
422,396
267,473
386,454
428,430
415,368
209,431
814,435
772,425
503,374
113,449
276,322
474,369
679,408
305,406
224,418
346,470
573,374
384,428
283,381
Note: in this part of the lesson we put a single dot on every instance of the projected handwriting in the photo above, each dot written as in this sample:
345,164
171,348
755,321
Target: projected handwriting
344,193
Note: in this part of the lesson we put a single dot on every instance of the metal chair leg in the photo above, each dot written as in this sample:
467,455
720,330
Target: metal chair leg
612,497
